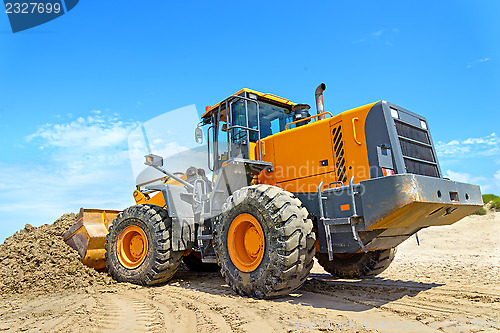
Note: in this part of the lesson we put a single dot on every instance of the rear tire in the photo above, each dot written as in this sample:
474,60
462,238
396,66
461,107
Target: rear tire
193,263
287,246
158,262
357,265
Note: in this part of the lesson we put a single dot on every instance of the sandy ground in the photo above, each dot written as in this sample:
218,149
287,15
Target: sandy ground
449,283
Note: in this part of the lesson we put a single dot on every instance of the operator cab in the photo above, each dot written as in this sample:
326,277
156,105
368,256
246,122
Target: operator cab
240,121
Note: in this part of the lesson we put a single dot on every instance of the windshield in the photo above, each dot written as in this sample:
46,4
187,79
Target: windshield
272,118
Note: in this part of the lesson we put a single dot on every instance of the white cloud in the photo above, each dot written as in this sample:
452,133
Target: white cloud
468,178
88,133
382,35
457,176
496,179
478,61
81,150
80,162
471,147
467,152
464,177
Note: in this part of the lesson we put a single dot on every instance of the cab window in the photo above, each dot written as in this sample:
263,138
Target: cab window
273,119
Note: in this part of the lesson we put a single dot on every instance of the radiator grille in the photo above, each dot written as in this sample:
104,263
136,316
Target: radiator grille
420,168
417,150
338,147
411,132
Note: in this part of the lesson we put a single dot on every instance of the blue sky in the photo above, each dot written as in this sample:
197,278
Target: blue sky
73,88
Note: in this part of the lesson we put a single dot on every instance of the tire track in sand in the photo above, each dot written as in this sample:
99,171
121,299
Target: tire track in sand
119,312
416,301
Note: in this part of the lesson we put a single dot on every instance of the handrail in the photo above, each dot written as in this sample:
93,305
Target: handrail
247,128
243,127
277,97
315,116
354,130
337,182
210,167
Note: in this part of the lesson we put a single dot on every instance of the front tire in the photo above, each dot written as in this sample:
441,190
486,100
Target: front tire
139,246
264,242
357,265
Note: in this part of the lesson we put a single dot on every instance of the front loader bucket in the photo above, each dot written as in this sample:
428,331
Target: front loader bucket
88,235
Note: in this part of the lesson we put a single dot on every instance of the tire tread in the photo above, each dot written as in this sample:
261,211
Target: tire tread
164,262
293,237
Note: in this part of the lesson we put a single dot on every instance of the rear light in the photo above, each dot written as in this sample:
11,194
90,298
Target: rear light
388,172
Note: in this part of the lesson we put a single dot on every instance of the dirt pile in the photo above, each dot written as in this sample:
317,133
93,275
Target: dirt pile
38,260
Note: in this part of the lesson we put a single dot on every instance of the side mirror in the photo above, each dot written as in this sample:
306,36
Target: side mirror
198,135
153,159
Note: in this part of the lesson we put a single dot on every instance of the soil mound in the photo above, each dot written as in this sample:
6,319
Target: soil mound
37,260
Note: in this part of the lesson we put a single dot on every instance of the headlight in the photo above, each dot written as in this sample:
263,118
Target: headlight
394,113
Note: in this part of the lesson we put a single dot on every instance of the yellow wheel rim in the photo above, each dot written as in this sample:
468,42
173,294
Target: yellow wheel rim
132,247
246,242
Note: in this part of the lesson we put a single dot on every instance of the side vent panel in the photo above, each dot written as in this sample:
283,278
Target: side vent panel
339,156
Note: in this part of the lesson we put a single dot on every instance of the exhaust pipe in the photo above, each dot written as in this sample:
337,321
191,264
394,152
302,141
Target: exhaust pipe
320,105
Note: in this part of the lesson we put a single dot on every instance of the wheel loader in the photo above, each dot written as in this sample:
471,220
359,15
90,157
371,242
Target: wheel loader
280,186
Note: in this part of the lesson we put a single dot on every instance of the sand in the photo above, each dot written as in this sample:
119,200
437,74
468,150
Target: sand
449,283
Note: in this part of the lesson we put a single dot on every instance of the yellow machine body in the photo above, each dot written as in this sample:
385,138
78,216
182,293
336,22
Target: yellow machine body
340,152
344,155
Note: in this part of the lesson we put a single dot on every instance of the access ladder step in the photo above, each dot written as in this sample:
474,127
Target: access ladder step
209,260
205,237
337,221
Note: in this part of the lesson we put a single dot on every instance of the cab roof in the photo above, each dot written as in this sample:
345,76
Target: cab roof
265,97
